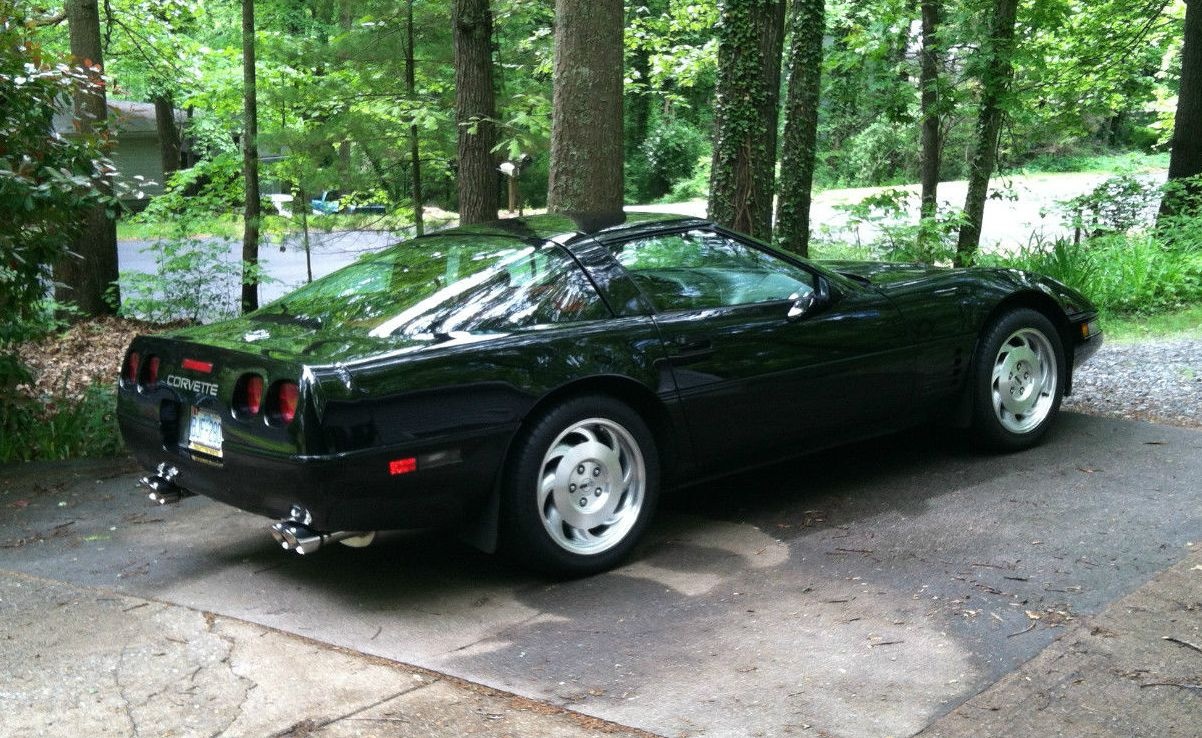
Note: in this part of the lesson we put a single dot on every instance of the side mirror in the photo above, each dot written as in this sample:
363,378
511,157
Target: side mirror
802,305
811,302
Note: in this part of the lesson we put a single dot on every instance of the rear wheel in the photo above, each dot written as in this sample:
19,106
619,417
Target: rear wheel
1020,373
580,487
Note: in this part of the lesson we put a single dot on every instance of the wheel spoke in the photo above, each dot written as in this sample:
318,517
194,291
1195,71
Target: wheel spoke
1023,384
592,486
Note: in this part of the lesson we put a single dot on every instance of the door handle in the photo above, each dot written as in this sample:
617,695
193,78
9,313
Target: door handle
688,344
686,350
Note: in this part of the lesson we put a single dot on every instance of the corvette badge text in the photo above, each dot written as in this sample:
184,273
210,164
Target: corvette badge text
197,386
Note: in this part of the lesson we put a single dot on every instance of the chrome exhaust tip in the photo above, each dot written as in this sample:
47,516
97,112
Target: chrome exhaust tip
163,489
301,539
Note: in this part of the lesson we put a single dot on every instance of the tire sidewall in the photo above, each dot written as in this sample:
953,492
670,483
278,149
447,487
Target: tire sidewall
988,427
523,536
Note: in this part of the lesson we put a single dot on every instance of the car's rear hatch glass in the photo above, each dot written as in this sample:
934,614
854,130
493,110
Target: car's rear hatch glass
433,287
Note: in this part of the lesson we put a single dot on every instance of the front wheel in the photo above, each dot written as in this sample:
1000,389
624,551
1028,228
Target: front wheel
580,487
1019,380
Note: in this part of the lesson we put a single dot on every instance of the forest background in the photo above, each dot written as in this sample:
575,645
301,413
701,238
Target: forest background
752,105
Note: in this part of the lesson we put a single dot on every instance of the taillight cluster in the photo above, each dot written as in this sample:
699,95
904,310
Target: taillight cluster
143,373
278,404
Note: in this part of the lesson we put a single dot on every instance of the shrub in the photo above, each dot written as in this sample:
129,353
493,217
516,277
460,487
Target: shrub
668,155
58,427
1121,273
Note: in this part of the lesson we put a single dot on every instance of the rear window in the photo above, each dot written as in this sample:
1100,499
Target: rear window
434,287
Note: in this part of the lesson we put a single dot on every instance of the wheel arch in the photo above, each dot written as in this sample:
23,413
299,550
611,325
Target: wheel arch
624,389
1047,306
482,531
1032,299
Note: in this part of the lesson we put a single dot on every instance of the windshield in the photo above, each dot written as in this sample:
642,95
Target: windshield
442,285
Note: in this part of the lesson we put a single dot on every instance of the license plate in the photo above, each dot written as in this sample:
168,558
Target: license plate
204,432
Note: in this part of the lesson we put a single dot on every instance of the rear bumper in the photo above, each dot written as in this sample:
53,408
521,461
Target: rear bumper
351,491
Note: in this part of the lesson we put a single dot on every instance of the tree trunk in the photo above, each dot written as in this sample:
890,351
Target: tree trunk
586,112
639,102
250,163
750,37
995,84
415,156
86,275
475,111
932,133
799,147
169,143
1186,159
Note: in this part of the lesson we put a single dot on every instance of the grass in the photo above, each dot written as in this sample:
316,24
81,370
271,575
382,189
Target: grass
1184,322
1127,162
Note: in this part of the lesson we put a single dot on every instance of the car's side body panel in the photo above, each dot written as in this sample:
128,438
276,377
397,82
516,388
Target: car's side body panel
397,432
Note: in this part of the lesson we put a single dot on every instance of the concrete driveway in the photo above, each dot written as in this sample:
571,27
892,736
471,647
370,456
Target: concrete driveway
862,592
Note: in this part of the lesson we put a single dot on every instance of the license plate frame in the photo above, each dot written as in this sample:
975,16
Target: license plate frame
204,432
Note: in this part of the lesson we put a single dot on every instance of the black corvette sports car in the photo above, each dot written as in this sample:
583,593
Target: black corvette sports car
537,381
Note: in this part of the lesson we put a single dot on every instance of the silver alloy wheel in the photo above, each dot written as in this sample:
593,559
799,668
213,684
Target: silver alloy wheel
1024,380
592,486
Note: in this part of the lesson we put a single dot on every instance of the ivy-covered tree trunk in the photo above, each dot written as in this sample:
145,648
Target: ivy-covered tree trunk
799,147
87,274
750,40
250,163
475,110
932,138
586,112
998,71
1186,158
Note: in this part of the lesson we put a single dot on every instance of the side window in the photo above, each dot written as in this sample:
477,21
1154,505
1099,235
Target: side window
702,269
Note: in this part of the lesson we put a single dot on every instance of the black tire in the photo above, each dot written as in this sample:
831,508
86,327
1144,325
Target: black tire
556,446
1008,345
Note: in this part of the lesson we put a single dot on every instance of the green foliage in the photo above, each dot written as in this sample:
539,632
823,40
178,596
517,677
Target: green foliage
696,187
881,227
1120,273
1119,259
58,427
46,181
1117,205
213,187
194,279
668,155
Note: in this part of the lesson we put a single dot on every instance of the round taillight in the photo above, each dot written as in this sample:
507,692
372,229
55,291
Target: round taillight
248,395
150,375
282,402
130,374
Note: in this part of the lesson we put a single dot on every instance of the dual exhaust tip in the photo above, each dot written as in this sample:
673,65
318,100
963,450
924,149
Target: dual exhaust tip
163,489
293,534
300,538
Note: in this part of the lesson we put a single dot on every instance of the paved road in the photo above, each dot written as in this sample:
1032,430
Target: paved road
863,592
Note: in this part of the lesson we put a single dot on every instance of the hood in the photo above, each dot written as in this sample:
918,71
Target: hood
883,273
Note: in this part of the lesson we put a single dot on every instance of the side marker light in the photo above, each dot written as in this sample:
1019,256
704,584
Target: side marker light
402,466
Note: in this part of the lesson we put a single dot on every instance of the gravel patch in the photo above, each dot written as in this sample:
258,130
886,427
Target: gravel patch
1158,381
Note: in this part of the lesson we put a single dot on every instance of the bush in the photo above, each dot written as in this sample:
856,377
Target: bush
58,427
881,225
1121,273
696,186
668,155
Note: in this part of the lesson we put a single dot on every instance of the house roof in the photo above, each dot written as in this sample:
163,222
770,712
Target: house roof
126,116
